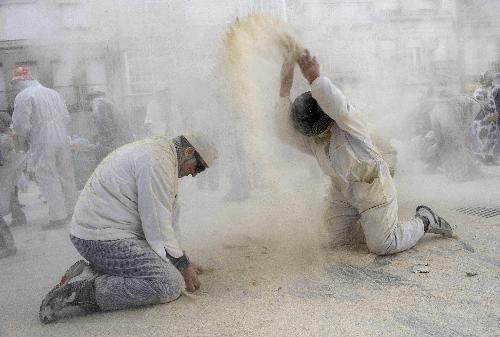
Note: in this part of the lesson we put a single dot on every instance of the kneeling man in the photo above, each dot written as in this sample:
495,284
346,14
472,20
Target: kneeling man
125,226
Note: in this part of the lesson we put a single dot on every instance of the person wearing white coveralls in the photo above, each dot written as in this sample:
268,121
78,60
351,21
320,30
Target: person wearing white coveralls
125,225
363,203
41,116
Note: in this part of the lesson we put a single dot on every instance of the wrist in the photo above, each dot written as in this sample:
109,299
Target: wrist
181,263
285,92
312,78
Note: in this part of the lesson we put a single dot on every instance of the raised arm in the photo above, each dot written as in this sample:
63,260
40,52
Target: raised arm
284,128
331,100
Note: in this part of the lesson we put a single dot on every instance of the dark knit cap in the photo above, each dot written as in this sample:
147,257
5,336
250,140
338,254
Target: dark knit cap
307,116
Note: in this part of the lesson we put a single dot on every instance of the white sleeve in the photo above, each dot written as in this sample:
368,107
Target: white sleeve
156,202
333,102
21,118
284,128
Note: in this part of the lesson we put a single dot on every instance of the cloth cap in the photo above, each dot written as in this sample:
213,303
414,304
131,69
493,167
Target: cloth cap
203,146
22,73
308,117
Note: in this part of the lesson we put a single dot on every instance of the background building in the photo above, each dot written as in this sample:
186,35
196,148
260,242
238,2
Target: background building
390,48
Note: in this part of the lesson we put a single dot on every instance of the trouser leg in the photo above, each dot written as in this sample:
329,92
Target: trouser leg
47,177
342,221
66,177
6,238
18,215
132,274
384,234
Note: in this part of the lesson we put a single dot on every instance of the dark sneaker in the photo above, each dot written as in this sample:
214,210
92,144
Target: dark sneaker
80,269
437,225
76,288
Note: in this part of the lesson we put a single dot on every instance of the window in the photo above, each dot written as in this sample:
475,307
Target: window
150,64
74,15
388,52
275,8
415,56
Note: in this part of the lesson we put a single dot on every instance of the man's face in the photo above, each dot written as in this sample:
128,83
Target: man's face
191,163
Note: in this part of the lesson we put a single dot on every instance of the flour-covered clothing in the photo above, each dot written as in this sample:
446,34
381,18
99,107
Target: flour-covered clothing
133,194
362,186
40,115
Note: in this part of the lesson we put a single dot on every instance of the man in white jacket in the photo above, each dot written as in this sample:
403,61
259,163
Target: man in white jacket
40,115
363,203
125,226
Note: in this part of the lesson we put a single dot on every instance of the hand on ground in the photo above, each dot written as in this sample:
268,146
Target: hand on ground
191,278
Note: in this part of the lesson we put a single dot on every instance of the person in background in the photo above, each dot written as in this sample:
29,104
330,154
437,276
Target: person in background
11,168
40,115
125,225
112,126
363,201
496,99
484,127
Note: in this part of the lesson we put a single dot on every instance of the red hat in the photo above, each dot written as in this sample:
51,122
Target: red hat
22,73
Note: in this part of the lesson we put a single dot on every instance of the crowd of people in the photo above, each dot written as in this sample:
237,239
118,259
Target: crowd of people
456,134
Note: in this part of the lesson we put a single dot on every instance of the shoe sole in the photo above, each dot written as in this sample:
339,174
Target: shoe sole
52,304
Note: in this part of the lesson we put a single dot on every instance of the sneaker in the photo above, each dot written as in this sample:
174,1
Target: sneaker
76,293
437,225
76,288
80,270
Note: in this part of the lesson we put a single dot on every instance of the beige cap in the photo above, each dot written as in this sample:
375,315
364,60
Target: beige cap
203,146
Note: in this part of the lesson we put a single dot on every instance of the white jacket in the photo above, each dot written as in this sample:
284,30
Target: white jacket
348,155
41,115
133,193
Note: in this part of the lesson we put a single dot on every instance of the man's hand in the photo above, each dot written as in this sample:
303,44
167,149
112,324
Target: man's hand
191,278
286,77
309,66
197,268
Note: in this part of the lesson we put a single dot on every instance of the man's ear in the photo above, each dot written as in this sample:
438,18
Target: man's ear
188,152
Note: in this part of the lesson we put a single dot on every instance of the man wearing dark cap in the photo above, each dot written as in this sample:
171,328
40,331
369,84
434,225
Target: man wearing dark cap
363,202
113,128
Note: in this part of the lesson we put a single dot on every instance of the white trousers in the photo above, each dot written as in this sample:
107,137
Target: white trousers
54,173
368,213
